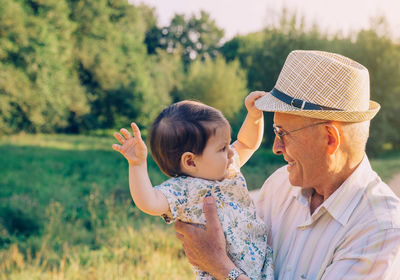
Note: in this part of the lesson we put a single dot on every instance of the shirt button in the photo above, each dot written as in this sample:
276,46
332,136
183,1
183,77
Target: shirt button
288,268
303,276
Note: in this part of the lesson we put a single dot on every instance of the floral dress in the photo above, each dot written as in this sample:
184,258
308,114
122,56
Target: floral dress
246,235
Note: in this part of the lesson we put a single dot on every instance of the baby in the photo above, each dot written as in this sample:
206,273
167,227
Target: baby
190,142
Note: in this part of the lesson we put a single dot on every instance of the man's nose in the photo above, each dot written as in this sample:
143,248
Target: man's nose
278,146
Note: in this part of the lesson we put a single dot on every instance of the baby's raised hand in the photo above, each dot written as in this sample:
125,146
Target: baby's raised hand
249,103
132,148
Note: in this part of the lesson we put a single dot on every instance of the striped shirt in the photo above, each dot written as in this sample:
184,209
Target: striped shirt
354,234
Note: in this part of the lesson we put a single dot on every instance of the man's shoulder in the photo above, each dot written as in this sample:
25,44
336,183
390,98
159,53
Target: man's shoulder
383,204
371,201
378,206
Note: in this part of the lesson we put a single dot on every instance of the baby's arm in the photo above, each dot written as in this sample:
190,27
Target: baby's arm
146,198
251,133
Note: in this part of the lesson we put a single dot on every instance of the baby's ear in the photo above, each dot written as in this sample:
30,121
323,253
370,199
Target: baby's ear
188,159
187,162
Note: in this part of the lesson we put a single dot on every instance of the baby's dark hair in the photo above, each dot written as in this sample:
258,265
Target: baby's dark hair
182,127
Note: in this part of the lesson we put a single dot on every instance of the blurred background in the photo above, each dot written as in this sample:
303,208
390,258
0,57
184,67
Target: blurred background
74,71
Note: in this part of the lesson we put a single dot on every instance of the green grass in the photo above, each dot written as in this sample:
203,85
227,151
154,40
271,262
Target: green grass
387,165
66,212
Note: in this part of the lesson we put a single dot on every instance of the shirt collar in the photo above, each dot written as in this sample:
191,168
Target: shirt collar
343,201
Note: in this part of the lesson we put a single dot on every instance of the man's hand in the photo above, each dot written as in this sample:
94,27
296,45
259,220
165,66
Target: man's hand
133,148
206,247
249,103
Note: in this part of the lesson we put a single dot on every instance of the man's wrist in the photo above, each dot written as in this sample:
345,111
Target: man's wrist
234,274
224,269
227,268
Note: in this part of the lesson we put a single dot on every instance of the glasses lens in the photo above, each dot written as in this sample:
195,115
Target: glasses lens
278,133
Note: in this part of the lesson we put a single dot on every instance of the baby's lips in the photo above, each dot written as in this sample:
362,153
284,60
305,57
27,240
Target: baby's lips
232,170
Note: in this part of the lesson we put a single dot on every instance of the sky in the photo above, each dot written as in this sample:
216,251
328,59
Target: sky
243,17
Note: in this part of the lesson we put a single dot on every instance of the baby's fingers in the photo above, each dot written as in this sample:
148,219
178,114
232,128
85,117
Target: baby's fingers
255,95
136,131
117,147
119,137
126,133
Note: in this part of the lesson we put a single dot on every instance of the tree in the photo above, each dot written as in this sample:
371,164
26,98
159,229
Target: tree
71,65
375,50
216,83
195,38
113,64
38,90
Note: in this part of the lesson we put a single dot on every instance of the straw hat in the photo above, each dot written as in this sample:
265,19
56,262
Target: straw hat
321,85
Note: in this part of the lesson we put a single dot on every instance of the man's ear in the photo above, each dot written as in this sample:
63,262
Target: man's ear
333,138
188,163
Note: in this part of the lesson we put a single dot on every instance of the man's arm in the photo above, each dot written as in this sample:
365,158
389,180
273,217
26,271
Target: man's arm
206,247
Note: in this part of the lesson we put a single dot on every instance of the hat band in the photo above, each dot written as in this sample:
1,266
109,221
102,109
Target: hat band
299,103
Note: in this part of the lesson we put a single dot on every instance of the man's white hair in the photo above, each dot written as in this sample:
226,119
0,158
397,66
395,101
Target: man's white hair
356,134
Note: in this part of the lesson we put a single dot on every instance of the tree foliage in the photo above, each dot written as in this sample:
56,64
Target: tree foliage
375,50
38,90
216,83
195,37
78,65
113,63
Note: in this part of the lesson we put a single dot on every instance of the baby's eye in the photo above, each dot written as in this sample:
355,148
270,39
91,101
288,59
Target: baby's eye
223,149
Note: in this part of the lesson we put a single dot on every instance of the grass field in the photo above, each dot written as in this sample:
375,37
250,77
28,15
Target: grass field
66,212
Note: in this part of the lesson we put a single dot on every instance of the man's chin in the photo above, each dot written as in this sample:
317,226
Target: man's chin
293,180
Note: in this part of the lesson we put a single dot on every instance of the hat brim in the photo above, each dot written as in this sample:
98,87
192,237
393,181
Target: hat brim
269,103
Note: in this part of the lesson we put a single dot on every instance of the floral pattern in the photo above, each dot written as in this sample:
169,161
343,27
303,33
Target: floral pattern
246,235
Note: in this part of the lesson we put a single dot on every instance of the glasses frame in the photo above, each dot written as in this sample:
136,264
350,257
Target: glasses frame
280,135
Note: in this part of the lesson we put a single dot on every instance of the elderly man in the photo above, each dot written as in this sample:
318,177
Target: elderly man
330,216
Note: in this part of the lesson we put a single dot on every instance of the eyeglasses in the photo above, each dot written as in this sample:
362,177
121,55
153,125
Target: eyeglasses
279,132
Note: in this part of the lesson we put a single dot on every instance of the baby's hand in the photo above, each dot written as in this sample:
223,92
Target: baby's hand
249,103
133,148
